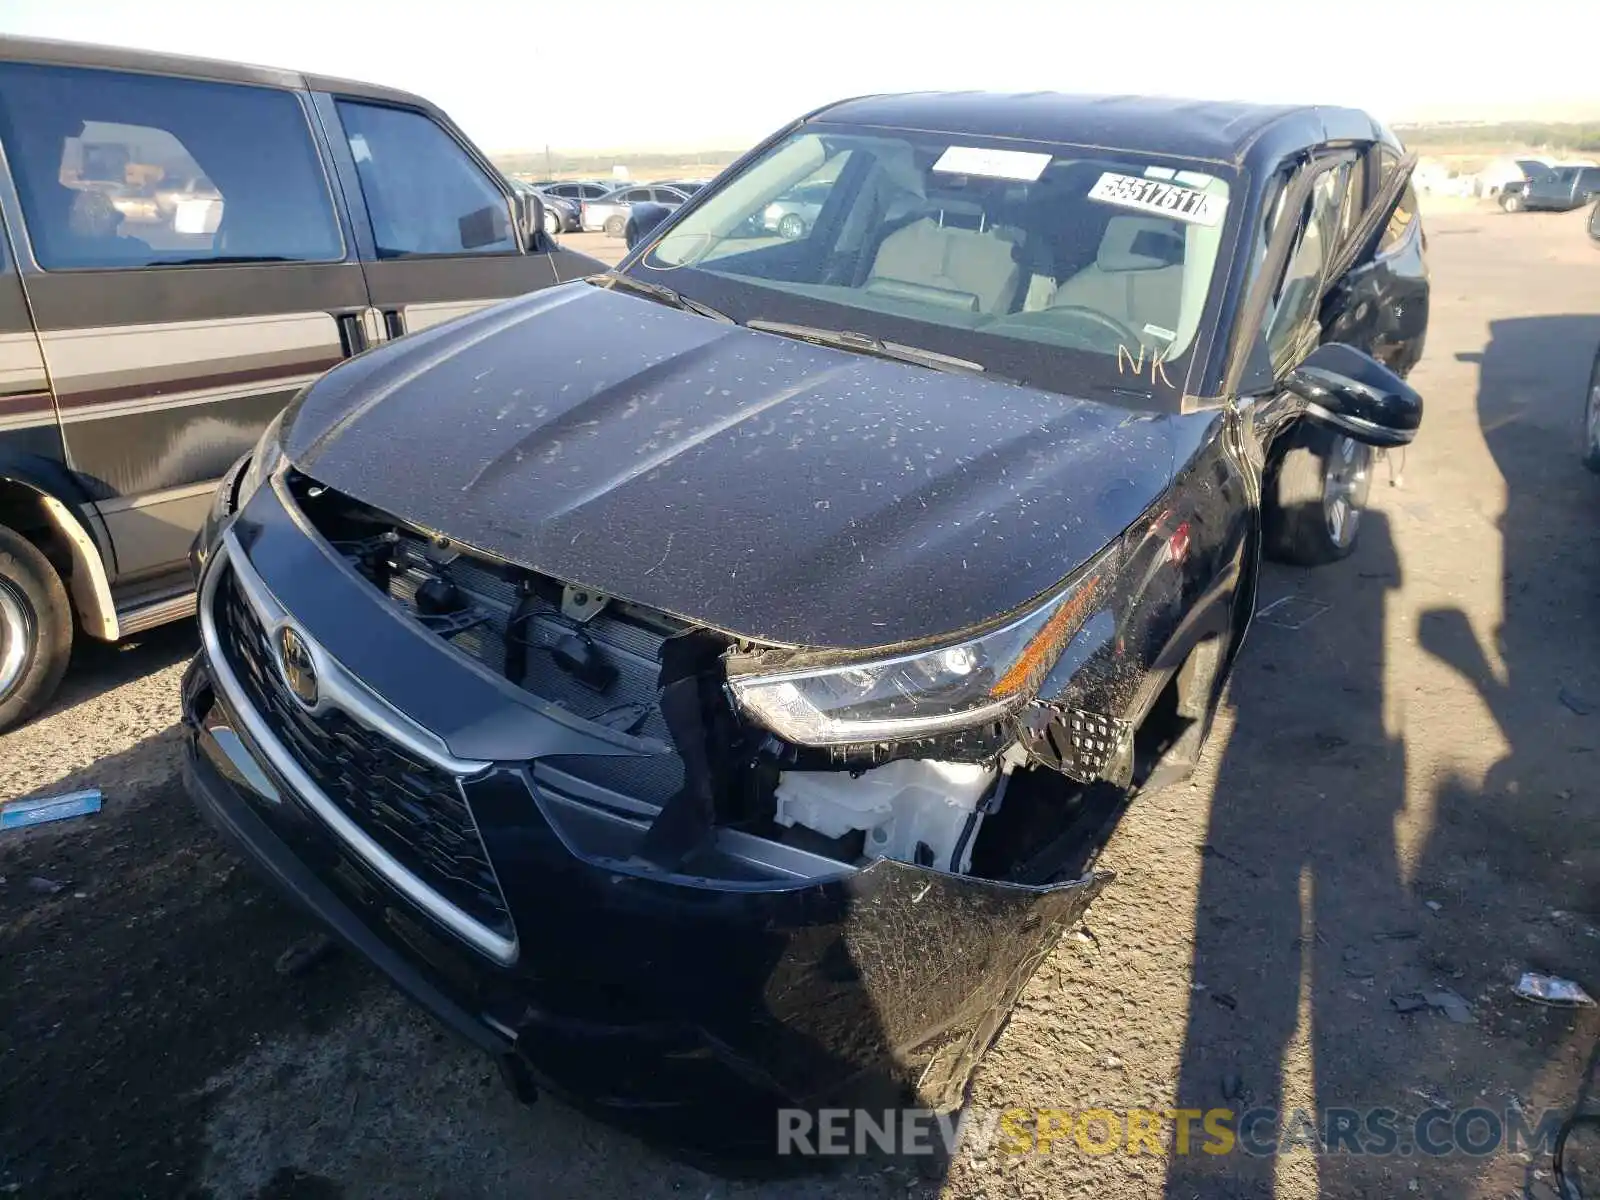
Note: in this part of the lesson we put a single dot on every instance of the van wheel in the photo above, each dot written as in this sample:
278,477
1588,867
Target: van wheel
35,629
1313,495
1591,420
615,226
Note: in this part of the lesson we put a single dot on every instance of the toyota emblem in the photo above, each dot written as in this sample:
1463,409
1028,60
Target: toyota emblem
298,667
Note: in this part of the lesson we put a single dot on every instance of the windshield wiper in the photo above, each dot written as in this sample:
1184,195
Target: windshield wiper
662,293
844,339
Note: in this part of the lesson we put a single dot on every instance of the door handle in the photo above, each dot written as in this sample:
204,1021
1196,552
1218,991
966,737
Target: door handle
352,334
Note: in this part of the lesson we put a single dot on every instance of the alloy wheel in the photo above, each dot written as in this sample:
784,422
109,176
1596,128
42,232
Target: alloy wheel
1344,489
17,635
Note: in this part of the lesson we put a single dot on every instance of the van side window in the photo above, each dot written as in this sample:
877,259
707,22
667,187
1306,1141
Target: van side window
123,170
424,193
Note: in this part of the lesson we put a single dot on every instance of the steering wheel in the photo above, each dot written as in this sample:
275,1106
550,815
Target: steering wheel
1107,333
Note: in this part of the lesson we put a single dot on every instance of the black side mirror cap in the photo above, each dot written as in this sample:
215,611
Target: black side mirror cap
1356,394
642,218
530,219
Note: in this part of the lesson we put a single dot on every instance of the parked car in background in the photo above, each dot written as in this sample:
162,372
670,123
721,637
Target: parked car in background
610,212
1591,407
1561,190
1511,192
562,212
682,682
560,216
577,190
189,243
792,214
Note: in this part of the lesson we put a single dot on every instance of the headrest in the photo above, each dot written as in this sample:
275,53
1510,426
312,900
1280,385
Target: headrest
1140,244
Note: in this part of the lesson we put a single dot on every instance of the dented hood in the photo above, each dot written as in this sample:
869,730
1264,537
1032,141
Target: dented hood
776,490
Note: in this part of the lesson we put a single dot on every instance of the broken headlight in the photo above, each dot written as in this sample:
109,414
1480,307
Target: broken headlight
929,691
264,460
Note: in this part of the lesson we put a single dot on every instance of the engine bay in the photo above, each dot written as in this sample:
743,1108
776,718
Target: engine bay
766,804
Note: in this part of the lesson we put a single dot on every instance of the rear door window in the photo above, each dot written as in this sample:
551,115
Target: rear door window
123,170
424,194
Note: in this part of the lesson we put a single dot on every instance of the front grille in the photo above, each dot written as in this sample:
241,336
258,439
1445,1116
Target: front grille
414,810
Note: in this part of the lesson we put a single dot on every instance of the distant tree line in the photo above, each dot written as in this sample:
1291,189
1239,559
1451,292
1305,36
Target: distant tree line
558,163
1556,135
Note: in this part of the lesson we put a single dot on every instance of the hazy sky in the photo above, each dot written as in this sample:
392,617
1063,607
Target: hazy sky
590,74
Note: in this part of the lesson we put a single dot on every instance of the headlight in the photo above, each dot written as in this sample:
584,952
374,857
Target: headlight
264,460
931,691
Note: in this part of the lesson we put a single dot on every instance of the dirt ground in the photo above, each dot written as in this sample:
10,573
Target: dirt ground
1400,796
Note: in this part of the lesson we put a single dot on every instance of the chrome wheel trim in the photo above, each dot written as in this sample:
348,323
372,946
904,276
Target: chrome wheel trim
17,633
1591,414
1345,485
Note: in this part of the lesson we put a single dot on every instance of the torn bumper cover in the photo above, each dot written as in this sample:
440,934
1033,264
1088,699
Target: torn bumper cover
688,1003
689,1009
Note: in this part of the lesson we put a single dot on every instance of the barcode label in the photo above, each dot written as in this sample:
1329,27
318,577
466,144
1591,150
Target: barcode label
1160,197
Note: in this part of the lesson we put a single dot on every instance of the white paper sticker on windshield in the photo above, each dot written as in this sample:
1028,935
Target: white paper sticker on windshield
1165,199
997,164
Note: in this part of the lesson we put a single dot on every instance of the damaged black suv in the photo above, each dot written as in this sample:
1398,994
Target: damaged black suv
683,681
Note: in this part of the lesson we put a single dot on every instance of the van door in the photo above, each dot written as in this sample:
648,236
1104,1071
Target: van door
434,218
30,439
188,270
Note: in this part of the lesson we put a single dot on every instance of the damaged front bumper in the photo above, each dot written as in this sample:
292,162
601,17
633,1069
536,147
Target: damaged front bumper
687,1004
687,1008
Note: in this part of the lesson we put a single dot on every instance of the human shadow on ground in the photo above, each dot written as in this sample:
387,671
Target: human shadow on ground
1319,921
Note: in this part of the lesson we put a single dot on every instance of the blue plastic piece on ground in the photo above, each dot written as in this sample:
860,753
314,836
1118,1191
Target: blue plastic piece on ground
17,814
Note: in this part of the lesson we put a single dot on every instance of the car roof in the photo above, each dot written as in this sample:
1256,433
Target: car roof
123,58
1220,130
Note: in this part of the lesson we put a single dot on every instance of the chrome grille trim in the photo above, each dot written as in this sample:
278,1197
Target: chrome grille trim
341,689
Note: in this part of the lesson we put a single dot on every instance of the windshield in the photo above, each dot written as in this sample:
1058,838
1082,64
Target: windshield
1060,267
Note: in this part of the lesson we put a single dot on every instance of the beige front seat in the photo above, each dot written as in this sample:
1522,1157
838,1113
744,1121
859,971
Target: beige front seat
940,264
1137,276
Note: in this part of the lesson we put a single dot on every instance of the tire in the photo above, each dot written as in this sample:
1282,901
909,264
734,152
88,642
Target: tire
1313,495
616,226
1591,420
35,629
552,223
1511,203
792,227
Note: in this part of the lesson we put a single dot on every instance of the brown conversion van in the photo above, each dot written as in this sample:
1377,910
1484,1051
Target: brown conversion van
186,244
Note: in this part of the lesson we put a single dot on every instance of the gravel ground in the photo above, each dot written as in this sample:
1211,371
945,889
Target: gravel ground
1398,797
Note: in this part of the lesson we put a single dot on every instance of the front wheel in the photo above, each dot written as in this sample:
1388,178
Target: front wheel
616,226
1313,496
792,227
1591,420
35,629
552,222
1511,203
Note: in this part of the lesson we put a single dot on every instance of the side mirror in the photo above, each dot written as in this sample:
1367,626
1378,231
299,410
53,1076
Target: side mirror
530,218
1357,395
642,218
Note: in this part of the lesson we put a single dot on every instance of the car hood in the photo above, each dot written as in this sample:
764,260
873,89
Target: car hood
776,490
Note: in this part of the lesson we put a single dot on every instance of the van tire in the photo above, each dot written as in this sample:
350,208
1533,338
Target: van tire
1303,482
35,614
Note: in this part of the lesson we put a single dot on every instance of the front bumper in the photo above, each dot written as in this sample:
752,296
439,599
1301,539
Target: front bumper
686,1007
